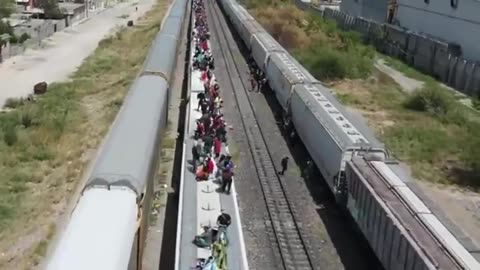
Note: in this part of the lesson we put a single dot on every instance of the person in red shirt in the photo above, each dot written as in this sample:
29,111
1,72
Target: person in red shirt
204,76
217,147
200,129
210,165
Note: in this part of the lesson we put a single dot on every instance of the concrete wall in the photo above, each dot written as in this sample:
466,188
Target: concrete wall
370,9
425,53
439,19
38,30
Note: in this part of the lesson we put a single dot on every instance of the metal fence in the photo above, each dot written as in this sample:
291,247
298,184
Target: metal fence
429,55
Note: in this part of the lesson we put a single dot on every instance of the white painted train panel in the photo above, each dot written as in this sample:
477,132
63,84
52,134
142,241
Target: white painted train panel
248,30
391,178
245,13
450,242
412,200
389,239
263,45
321,145
100,233
336,116
283,73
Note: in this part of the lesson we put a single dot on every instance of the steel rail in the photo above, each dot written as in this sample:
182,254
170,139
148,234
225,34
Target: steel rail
294,253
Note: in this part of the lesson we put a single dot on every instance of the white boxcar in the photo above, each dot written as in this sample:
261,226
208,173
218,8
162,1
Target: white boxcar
283,72
401,229
375,210
326,131
236,17
245,12
262,46
101,233
248,29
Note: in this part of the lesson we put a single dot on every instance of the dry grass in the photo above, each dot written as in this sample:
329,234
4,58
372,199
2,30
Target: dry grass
436,144
46,144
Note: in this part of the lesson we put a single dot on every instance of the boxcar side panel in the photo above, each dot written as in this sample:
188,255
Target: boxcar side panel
321,146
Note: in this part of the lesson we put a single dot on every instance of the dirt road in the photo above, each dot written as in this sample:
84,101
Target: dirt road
64,51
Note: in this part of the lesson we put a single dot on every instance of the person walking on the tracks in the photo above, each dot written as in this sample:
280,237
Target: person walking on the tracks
284,165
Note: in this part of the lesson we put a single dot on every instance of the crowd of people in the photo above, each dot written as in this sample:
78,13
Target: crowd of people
210,133
209,138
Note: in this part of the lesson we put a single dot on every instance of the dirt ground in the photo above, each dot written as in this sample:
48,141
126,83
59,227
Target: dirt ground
64,51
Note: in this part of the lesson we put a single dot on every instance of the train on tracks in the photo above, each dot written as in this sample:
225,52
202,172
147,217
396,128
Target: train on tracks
400,228
108,225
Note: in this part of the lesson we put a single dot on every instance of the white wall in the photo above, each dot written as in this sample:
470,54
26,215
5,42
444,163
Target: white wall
439,19
371,9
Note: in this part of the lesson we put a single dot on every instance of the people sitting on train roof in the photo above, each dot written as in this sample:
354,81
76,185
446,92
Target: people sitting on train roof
200,131
220,254
205,239
224,219
206,264
201,173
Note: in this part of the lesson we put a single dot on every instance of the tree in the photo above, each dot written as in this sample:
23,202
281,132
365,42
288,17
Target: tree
6,8
6,28
50,8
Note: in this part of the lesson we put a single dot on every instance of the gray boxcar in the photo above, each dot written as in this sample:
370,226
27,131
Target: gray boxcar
178,9
227,6
262,45
129,156
326,131
283,72
390,240
162,56
246,28
172,26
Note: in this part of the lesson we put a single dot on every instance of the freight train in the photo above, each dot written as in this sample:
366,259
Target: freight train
400,228
107,228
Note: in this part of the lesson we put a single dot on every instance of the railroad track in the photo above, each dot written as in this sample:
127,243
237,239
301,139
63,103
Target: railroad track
294,251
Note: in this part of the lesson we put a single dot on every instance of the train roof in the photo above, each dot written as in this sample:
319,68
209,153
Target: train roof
100,234
291,68
130,144
158,61
269,42
333,116
245,13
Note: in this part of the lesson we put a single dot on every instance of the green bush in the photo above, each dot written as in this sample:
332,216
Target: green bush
23,38
10,135
431,99
326,63
6,28
476,102
26,119
13,40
